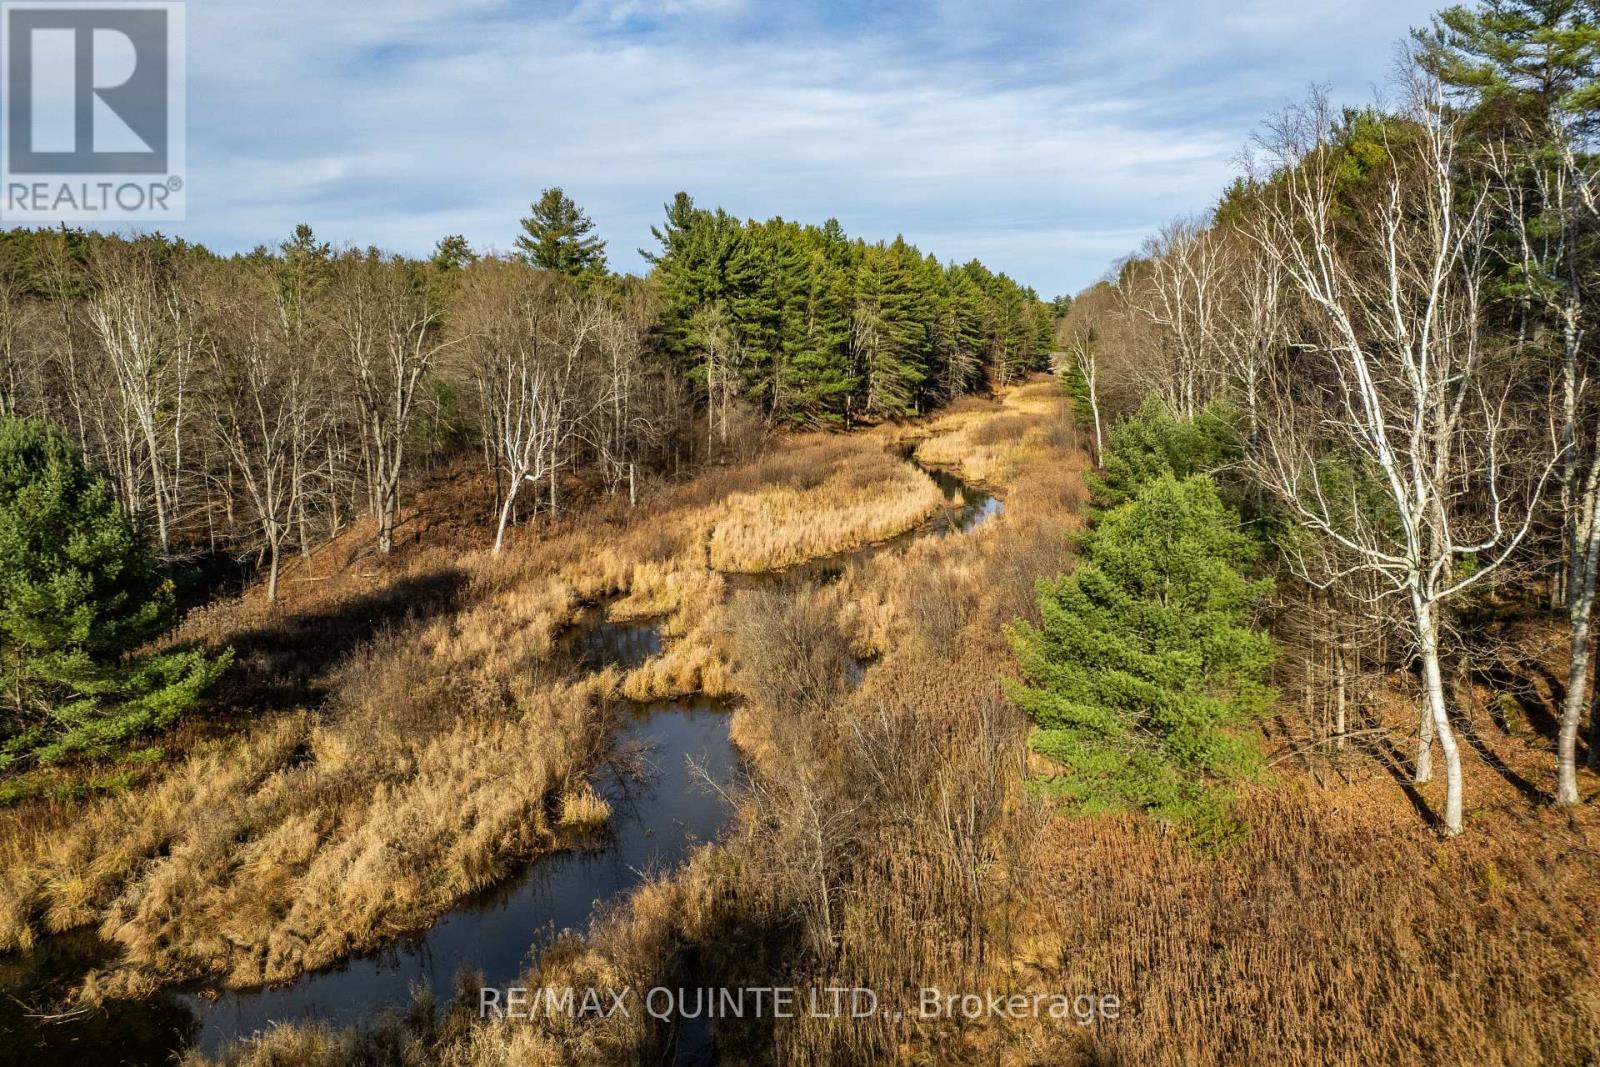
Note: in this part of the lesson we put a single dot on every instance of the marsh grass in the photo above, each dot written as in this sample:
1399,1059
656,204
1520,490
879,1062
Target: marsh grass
871,497
885,840
397,733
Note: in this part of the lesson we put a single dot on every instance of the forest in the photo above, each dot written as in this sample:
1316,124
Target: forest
1380,338
253,406
1208,655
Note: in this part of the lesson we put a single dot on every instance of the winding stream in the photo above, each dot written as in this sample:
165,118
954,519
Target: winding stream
657,820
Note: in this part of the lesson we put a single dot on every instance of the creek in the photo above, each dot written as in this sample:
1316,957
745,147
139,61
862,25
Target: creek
658,817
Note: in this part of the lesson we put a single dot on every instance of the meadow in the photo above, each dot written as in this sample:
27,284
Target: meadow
430,759
886,838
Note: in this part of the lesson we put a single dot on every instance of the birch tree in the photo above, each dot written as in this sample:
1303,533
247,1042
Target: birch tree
526,342
144,336
261,408
1393,443
623,421
387,317
1183,293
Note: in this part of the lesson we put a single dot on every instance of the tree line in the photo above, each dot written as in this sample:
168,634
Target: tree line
1390,314
817,329
252,404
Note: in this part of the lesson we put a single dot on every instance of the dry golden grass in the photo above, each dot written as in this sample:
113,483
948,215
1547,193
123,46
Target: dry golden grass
862,497
1341,931
888,842
370,762
988,448
928,728
584,809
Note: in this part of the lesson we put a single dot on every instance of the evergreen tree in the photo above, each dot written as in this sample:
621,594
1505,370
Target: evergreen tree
558,236
1153,442
960,334
888,331
452,253
824,327
1519,59
78,593
819,380
767,283
1144,665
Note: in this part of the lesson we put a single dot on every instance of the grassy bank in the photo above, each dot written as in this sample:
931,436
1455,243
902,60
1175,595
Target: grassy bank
398,734
886,839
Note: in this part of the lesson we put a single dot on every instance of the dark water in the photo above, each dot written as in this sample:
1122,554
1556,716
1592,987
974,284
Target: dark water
658,818
656,822
594,642
977,506
136,1033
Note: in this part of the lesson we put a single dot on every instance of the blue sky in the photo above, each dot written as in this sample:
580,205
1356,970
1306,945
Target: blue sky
1047,139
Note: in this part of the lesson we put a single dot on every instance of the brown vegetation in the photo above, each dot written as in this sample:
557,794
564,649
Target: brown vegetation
820,508
885,841
408,768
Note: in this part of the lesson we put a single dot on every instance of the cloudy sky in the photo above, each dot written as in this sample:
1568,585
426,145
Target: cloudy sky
1045,138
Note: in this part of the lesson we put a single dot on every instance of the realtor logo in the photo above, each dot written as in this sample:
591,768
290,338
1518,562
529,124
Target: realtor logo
94,112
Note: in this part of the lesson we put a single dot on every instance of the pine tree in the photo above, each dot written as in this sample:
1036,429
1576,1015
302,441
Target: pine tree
78,593
1144,665
767,285
960,334
889,329
452,253
1153,442
558,236
1528,59
819,380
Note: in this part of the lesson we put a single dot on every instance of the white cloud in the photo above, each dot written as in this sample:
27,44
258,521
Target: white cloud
1047,144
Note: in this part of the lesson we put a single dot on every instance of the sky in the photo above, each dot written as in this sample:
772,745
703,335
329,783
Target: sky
1047,139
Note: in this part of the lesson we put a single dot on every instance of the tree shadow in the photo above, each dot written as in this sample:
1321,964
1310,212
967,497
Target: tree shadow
1469,730
285,663
1391,758
1502,679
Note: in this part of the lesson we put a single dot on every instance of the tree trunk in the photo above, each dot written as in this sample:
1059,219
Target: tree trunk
552,483
1572,715
272,574
389,507
1433,683
505,517
1580,605
1422,771
1341,670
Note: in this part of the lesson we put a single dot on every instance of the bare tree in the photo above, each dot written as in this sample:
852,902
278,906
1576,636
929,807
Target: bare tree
261,407
527,341
624,420
1253,332
1570,202
717,343
147,339
1086,359
1183,292
387,315
17,370
1394,444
